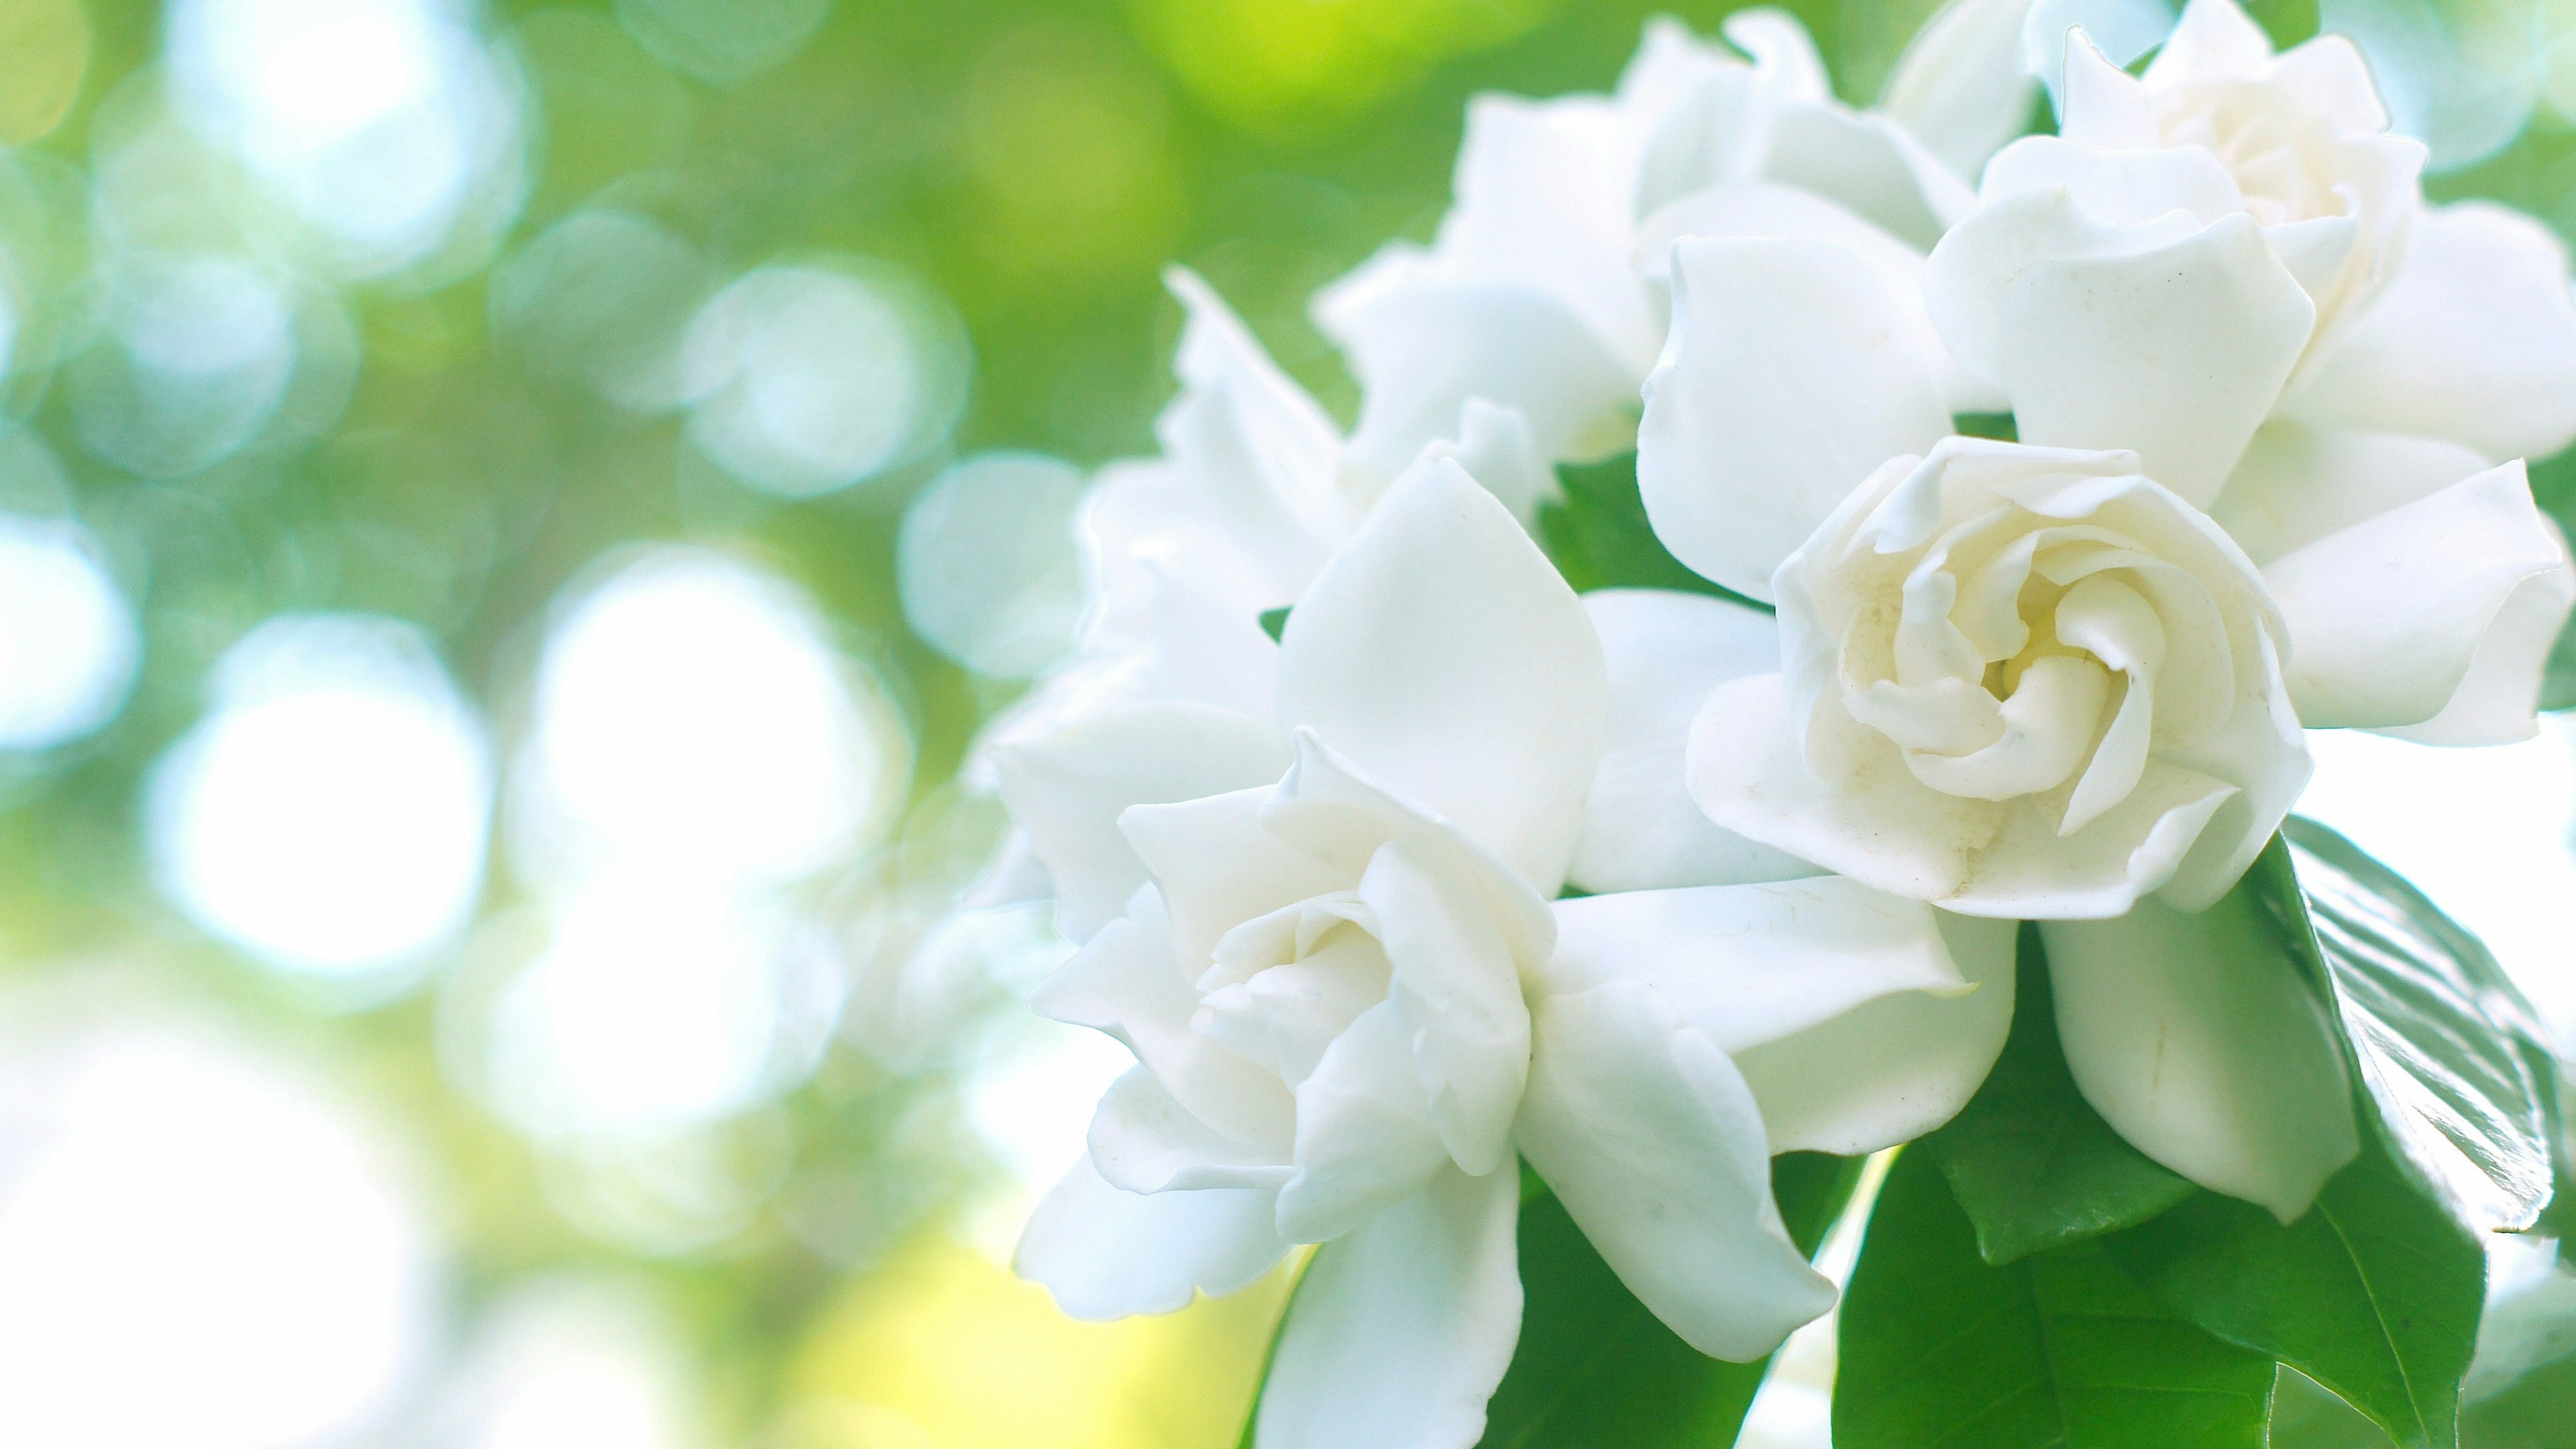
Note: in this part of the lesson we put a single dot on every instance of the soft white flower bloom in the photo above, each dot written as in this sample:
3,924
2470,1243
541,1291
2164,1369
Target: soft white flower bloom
1186,551
1544,289
2022,682
2176,282
1330,937
2226,267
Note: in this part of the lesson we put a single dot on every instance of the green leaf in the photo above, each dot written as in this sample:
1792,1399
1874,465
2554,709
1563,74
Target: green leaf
2375,1293
1274,622
1599,538
2002,426
2058,1350
1595,1368
2451,1054
2029,1160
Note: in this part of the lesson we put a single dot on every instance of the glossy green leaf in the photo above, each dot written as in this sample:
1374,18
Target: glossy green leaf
1595,1368
2375,1293
2450,1053
2061,1350
2029,1160
1598,535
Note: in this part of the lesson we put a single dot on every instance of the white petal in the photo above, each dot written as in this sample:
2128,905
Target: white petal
2212,1059
2499,699
2168,339
1766,209
1421,345
1960,85
2475,340
1282,442
2102,107
1641,830
1749,964
2214,41
2299,483
1399,1331
1650,1138
1443,654
1867,163
1143,1140
1218,867
1890,1070
2386,616
2329,74
1457,961
1105,1254
1365,1139
1875,822
1788,379
1498,450
1068,788
1127,982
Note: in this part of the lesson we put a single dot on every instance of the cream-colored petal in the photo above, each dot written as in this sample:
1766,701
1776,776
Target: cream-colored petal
2215,1060
2168,338
1143,1140
1444,655
1665,651
1787,380
2386,616
1106,1254
1650,1138
1365,1138
1399,1332
2298,483
1067,790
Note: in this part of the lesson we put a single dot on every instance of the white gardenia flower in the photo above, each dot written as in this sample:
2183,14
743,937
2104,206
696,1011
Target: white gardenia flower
1331,938
1254,489
1543,290
2140,311
2226,267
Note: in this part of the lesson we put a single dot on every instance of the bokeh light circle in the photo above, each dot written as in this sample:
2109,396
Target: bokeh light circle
810,377
68,643
329,813
990,566
197,1248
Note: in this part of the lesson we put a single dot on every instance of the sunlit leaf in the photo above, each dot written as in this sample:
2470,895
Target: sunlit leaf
2058,1350
2449,1051
2029,1160
2375,1293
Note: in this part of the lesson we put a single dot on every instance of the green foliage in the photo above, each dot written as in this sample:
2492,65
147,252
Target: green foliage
1598,535
2288,22
2055,1350
1595,1367
2001,426
1274,622
2374,1293
2029,1160
2452,1056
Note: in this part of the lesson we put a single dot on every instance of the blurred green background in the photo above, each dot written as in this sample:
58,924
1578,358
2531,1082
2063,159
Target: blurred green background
509,518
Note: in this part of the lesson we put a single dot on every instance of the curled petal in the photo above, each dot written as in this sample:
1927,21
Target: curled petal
1143,1140
1649,1136
1067,790
1665,651
2474,341
1443,654
1105,1253
2393,618
1788,378
1961,85
1365,1138
1400,1330
2168,338
2216,1061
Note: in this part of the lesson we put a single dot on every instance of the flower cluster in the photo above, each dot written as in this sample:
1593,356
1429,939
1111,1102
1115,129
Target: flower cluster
2040,518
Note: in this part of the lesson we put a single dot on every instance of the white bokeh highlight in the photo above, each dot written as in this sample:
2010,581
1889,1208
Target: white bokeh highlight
197,1249
68,643
329,813
989,564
